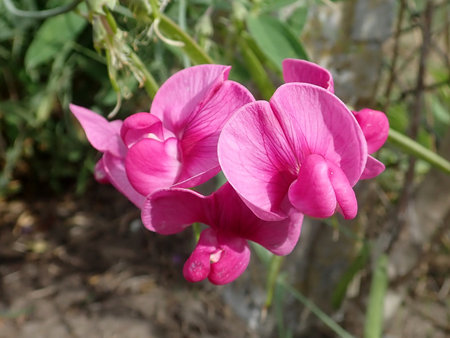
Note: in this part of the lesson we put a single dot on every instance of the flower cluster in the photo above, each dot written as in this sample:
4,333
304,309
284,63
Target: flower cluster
298,154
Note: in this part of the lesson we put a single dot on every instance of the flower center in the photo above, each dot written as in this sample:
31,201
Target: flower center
215,256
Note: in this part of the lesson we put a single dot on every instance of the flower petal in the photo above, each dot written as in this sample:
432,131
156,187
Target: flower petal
198,265
345,196
199,141
314,121
321,187
234,218
312,193
232,261
184,92
256,159
151,164
115,170
295,70
375,126
169,211
373,168
100,172
279,237
102,135
217,257
141,125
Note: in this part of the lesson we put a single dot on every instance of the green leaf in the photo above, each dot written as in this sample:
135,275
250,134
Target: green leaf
440,113
373,327
439,108
398,117
275,39
50,38
297,20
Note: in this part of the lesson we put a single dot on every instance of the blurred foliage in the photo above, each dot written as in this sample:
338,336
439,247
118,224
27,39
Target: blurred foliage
101,53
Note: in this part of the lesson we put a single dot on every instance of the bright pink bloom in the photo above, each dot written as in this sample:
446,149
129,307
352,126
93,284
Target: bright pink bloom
105,137
296,70
374,124
192,106
303,150
222,252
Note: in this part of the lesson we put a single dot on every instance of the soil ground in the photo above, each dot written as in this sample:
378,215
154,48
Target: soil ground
85,267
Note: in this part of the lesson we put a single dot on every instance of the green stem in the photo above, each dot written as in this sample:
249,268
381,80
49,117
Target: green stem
373,327
191,48
327,320
256,69
196,228
155,8
110,19
150,85
415,149
274,270
46,13
182,23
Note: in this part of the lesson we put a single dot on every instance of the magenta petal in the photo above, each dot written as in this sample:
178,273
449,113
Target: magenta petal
184,92
100,172
169,211
314,121
141,125
373,168
233,217
116,125
322,187
102,135
295,70
221,259
279,237
230,261
198,265
199,141
345,196
375,126
312,193
151,164
115,171
256,159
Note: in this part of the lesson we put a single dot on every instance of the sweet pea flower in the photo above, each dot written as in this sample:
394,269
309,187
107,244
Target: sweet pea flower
192,105
222,252
303,150
373,123
105,137
176,144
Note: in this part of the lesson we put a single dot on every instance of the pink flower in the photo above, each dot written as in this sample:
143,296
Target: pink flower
222,252
105,137
373,123
192,105
302,150
176,144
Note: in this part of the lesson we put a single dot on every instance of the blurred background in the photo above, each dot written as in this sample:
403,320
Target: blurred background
75,260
